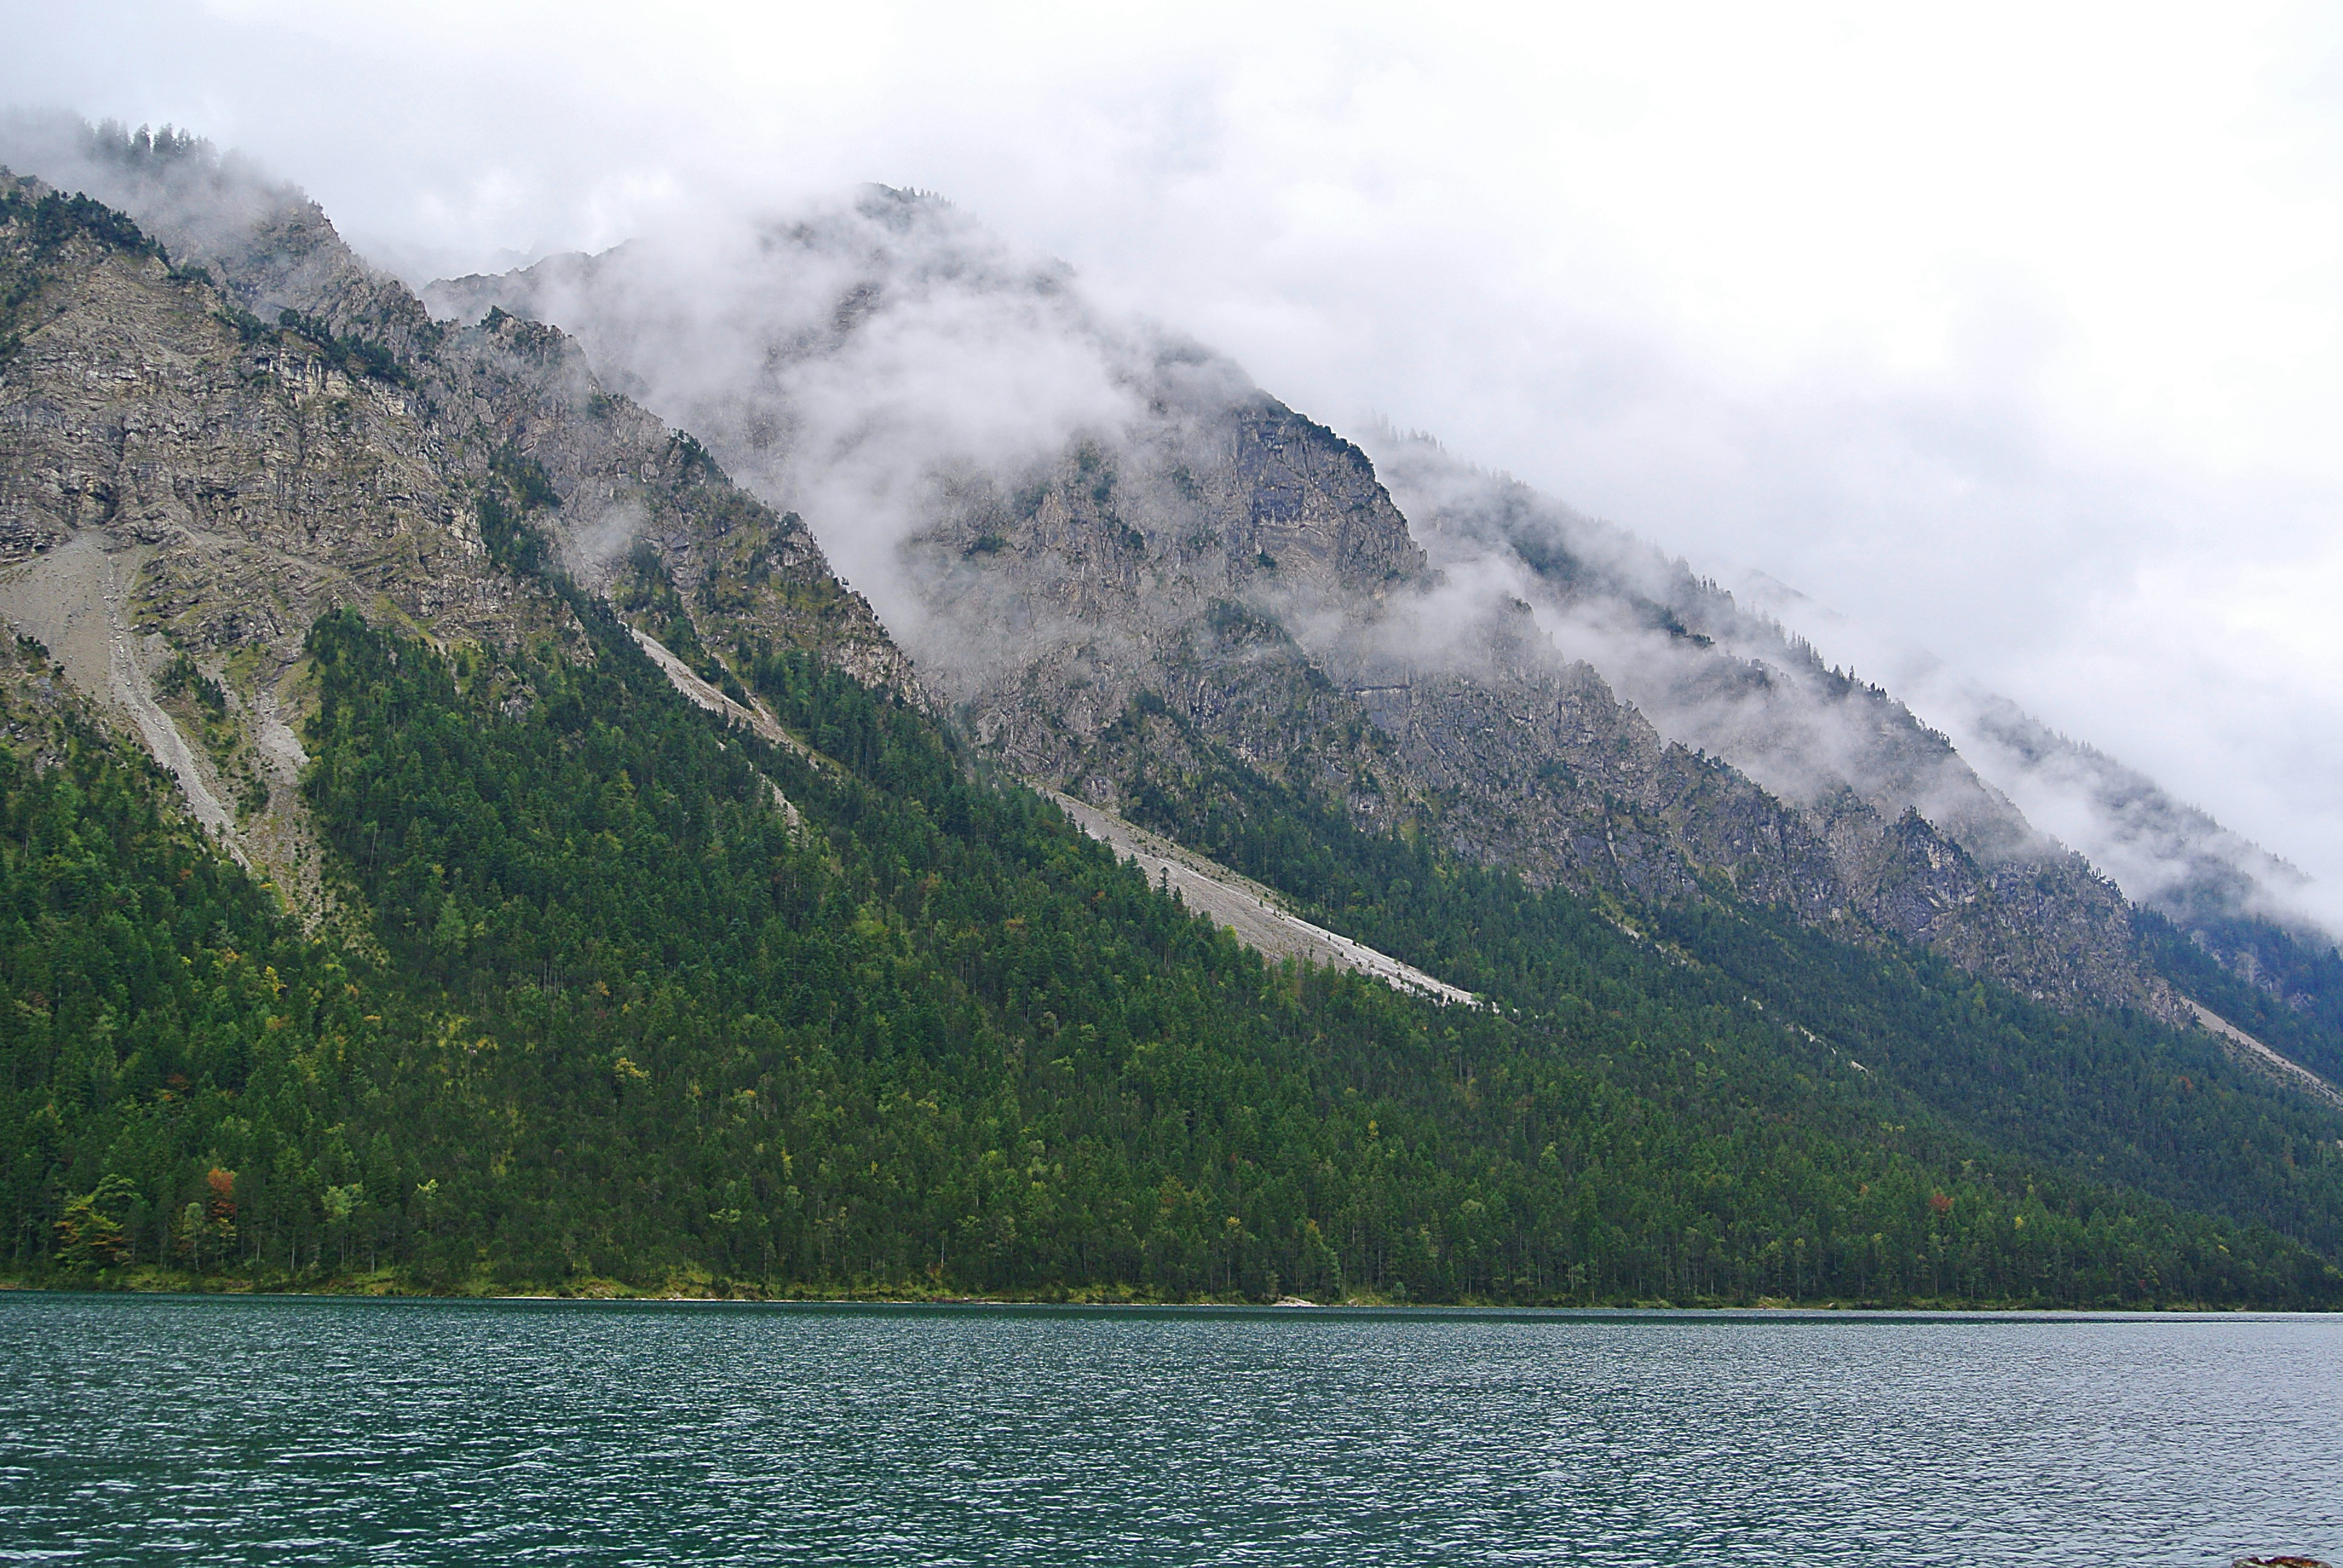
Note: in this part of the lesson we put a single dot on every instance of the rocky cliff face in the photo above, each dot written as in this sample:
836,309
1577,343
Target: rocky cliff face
1732,681
1914,841
186,485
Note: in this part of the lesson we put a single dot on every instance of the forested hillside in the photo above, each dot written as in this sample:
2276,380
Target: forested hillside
450,947
2119,1096
627,1023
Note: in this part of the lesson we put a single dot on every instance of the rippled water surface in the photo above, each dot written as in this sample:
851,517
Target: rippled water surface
291,1431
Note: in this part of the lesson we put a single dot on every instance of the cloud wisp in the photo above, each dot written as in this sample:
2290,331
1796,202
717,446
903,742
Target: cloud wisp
843,359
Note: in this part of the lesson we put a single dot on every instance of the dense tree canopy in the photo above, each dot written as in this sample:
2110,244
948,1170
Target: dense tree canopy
624,1016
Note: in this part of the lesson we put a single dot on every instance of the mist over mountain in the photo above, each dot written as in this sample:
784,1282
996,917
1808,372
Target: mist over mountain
845,361
1979,765
457,832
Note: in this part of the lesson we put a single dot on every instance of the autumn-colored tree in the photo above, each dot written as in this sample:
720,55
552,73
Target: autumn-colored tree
221,1214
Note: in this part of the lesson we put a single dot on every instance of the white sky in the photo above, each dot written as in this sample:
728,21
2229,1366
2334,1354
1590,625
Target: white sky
2011,332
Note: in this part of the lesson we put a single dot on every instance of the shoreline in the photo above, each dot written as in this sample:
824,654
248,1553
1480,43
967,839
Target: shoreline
615,1293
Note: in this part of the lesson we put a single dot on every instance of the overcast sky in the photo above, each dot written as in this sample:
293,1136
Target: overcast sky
2012,334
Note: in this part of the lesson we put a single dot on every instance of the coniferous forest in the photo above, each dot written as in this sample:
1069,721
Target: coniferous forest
603,1013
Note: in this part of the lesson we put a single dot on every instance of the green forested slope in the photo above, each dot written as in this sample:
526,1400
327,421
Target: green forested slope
2120,1098
624,1023
2297,1004
161,1015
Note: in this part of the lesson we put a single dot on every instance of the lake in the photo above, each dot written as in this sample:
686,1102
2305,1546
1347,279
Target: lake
289,1430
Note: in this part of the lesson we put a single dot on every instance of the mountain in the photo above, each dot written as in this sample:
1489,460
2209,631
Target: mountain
2213,917
457,838
1441,649
190,486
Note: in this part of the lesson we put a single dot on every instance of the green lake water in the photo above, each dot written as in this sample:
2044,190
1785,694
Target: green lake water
283,1431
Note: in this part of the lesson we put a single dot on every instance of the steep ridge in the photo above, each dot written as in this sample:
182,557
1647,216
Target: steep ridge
1439,650
184,487
1731,679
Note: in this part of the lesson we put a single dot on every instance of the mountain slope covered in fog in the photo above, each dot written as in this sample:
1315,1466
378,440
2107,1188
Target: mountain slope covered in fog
1080,526
2214,914
382,903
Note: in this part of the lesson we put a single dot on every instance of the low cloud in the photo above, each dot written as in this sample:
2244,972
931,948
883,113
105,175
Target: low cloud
843,359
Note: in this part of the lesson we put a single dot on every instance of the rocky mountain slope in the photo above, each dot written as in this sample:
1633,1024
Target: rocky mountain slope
185,483
1160,557
1727,676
